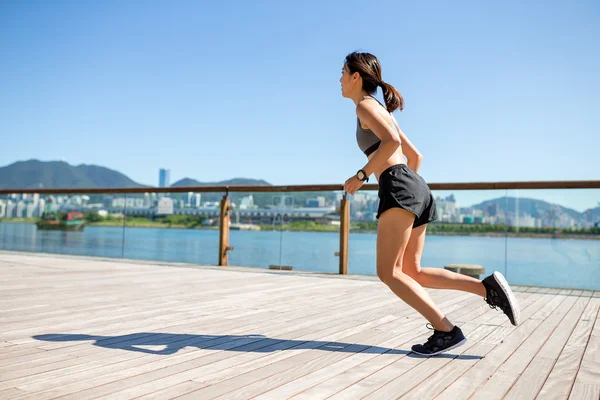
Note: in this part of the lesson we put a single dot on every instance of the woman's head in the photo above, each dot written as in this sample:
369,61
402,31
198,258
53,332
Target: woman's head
362,72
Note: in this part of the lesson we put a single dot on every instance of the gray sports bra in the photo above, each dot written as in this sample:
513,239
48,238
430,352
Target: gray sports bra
367,141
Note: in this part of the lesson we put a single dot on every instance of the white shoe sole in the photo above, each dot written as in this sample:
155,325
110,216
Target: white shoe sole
512,300
442,351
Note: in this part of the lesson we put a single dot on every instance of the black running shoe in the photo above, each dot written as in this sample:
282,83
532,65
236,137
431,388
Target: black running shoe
440,342
499,294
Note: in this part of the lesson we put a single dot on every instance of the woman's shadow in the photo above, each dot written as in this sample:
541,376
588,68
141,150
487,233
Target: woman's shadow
171,343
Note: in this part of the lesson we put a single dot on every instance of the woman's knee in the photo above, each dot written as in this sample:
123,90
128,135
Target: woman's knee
387,275
411,268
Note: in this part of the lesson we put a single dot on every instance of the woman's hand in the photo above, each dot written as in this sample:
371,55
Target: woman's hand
353,184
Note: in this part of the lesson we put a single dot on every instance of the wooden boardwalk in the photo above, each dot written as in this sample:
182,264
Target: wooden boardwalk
83,328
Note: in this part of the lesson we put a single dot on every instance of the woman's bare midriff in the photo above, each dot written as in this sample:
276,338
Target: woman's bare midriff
396,158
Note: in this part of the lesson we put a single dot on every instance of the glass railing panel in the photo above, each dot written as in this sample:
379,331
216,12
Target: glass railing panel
310,231
554,237
173,227
61,223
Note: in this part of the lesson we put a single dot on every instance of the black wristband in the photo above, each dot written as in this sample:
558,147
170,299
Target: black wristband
366,179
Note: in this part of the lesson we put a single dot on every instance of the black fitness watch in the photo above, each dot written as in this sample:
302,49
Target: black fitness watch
362,176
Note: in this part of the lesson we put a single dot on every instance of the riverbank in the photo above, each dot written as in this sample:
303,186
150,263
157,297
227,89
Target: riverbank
150,224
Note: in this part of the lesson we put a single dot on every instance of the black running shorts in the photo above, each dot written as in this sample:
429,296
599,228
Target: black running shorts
400,186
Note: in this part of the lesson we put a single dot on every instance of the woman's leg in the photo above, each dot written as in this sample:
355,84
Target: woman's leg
393,235
435,278
497,293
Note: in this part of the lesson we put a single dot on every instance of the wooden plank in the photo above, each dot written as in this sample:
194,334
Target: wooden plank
407,381
219,371
11,393
245,326
430,390
302,352
483,369
589,371
509,371
220,376
343,374
559,382
118,381
401,356
585,391
316,375
276,374
532,379
444,377
118,321
76,382
78,322
381,376
366,378
172,391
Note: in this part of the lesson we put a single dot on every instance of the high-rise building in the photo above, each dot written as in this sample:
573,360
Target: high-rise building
492,209
21,207
321,201
247,202
30,209
164,178
10,209
40,207
147,200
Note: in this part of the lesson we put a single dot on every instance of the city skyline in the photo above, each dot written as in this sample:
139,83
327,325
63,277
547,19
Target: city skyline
363,207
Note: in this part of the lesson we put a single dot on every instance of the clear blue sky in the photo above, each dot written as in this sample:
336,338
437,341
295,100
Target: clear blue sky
494,91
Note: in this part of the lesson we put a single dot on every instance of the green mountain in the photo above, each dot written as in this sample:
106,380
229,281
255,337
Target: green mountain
58,174
261,199
538,208
527,206
229,182
592,215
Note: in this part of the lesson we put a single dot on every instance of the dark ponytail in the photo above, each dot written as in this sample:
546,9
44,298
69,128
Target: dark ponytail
393,99
369,68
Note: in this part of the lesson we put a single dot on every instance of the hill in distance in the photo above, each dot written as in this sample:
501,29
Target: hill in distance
32,174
